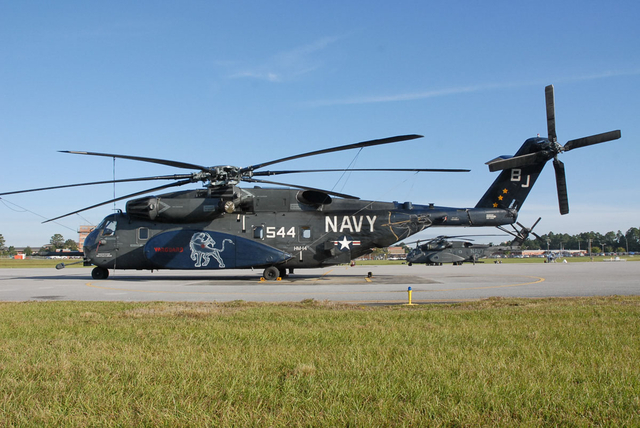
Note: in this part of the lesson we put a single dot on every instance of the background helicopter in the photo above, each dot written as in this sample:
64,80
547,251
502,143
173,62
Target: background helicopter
441,249
223,226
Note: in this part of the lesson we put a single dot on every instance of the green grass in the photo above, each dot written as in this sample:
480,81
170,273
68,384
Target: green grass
36,263
497,362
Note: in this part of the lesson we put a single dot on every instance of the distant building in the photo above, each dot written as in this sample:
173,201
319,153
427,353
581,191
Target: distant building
83,231
396,253
392,253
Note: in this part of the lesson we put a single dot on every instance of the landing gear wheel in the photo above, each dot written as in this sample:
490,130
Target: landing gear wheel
100,273
271,273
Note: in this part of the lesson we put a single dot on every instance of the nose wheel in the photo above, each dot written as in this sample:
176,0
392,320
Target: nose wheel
100,273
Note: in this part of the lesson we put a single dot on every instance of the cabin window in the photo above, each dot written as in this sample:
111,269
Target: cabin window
305,232
258,232
143,233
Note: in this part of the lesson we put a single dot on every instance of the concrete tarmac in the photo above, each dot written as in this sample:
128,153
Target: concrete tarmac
387,284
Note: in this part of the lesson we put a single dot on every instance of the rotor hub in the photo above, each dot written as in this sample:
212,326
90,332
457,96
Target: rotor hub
224,175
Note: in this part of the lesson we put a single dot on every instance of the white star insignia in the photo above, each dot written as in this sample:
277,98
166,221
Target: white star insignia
344,243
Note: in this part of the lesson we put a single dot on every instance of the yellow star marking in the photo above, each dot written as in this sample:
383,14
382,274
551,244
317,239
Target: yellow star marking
495,205
505,191
500,197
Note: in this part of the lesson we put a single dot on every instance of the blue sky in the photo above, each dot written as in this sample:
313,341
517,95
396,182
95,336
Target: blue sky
245,82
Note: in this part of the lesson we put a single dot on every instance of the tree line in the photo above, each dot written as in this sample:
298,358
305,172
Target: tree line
600,243
57,242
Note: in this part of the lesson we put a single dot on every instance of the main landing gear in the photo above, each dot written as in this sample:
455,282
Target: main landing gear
100,273
272,273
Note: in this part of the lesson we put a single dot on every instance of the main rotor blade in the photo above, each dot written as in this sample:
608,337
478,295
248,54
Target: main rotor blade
464,236
342,195
143,159
335,149
593,139
561,184
551,113
297,171
448,237
166,186
518,161
124,180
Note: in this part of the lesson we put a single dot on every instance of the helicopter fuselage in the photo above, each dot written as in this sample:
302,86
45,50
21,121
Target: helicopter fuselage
262,227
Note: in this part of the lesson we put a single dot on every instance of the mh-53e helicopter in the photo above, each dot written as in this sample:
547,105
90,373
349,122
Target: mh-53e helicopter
223,226
441,249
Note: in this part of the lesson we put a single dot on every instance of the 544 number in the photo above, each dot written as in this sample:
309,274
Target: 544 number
282,232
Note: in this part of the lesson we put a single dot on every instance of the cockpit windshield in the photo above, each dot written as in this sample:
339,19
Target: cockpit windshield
108,226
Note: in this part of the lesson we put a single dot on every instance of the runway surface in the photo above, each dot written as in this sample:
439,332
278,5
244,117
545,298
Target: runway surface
387,285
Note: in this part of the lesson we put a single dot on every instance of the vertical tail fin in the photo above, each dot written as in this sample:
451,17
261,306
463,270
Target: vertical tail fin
513,185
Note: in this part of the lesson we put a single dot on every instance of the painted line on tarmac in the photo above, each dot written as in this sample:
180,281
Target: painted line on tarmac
537,280
257,293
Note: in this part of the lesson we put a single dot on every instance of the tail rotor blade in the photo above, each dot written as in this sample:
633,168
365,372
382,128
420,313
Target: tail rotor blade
535,224
593,139
551,113
561,183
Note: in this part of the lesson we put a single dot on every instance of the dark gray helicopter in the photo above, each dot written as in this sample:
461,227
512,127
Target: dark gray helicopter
223,226
439,250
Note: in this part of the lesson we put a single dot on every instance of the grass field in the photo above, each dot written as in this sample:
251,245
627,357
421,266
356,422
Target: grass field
37,263
497,362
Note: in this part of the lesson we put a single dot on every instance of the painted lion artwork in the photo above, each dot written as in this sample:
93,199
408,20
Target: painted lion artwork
203,248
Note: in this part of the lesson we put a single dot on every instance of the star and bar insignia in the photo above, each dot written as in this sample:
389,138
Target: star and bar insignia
345,242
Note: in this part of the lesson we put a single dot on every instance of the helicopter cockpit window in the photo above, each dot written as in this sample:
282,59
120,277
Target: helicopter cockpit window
258,232
109,227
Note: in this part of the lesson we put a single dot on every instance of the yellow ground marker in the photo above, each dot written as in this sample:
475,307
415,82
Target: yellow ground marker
409,291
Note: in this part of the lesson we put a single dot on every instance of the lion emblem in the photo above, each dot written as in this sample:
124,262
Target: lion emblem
203,248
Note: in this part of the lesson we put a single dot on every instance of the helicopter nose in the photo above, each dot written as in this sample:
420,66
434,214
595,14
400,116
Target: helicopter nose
90,243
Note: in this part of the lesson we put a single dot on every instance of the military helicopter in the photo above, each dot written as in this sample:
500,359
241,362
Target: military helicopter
224,226
439,250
